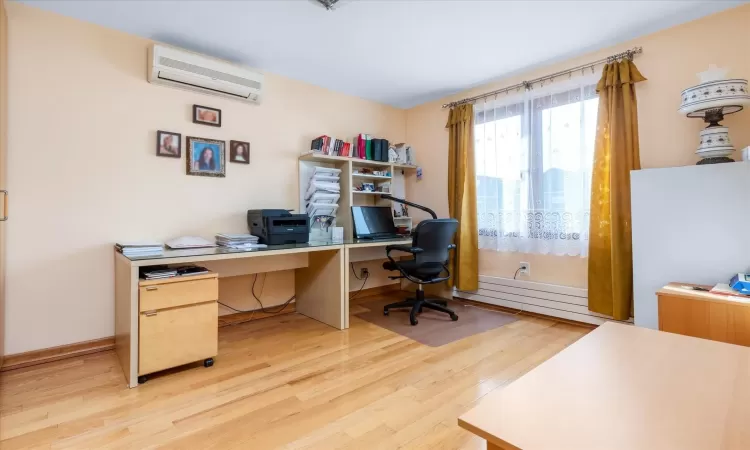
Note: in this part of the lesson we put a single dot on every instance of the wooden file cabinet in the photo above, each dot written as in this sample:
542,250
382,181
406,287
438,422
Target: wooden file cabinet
178,322
703,314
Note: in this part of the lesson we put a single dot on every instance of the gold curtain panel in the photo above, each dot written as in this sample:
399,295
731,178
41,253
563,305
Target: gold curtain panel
610,280
462,197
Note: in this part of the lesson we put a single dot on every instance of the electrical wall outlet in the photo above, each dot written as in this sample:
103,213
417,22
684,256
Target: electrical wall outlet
524,268
363,272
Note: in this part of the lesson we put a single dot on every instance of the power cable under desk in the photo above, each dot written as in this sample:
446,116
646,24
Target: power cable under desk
262,308
363,283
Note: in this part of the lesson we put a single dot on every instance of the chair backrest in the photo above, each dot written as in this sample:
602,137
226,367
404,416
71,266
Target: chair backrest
434,236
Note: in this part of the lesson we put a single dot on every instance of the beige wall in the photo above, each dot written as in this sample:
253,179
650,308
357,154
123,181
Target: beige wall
83,171
670,60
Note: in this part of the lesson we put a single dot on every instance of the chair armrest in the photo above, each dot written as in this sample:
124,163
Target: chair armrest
403,248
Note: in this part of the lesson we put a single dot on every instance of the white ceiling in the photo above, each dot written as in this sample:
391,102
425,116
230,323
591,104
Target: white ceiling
397,52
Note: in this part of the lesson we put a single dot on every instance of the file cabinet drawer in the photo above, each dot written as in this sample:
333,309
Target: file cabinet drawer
172,292
177,336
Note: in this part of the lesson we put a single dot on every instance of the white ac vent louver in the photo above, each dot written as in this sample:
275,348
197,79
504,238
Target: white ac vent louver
190,71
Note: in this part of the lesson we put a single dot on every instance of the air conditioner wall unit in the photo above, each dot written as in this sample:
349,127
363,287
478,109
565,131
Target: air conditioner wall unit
190,71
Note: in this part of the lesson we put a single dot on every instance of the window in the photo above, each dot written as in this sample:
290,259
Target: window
534,156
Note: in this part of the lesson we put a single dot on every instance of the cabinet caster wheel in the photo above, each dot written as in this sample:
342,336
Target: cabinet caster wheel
385,312
142,379
454,317
208,362
413,321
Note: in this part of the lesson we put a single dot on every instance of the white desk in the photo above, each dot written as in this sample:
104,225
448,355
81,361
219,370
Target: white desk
321,284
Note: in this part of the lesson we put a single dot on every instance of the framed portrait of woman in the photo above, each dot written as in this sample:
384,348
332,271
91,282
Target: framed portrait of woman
239,152
205,157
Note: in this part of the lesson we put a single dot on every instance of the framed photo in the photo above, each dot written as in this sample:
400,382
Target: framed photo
168,144
205,157
206,116
239,152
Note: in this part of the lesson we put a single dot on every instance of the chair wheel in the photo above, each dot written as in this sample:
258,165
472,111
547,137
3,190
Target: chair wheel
413,321
142,379
385,312
208,362
454,317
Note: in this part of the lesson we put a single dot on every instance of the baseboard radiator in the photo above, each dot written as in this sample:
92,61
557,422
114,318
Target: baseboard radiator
548,299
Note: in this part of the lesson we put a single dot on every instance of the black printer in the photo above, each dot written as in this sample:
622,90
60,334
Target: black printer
278,226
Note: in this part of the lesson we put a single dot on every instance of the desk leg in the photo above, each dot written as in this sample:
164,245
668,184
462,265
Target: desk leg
126,318
347,265
319,288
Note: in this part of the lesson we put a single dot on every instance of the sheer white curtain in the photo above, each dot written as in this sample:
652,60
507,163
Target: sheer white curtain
534,158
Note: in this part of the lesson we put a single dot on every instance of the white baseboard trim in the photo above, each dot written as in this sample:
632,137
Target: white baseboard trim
552,300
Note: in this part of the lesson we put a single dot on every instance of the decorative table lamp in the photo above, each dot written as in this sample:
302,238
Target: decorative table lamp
711,100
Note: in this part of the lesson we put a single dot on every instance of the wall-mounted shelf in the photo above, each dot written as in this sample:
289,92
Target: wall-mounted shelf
368,192
371,177
312,156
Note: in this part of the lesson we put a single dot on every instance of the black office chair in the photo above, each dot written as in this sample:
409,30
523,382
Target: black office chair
431,243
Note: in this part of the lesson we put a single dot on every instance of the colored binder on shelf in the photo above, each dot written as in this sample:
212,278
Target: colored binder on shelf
377,150
361,146
368,147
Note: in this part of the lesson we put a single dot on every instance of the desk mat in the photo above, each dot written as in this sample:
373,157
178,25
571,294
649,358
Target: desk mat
434,328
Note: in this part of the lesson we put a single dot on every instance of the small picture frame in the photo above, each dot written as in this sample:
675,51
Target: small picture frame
206,116
168,144
205,157
239,152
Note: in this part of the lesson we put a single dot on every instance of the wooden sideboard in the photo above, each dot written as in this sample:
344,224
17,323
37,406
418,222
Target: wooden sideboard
703,314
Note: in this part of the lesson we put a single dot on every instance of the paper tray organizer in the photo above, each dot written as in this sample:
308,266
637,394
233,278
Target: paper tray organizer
323,193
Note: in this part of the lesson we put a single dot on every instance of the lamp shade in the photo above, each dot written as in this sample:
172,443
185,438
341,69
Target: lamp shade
715,91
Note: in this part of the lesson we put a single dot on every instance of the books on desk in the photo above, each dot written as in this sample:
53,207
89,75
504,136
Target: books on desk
140,248
238,241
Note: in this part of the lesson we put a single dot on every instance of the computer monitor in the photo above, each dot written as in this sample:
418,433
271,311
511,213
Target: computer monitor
372,222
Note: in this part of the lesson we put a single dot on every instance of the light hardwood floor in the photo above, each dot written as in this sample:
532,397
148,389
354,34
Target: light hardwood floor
282,382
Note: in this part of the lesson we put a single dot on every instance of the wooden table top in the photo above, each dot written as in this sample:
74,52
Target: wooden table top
624,388
680,290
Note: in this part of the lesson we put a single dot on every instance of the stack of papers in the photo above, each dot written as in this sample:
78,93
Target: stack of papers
327,187
140,248
238,241
189,242
323,180
159,273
